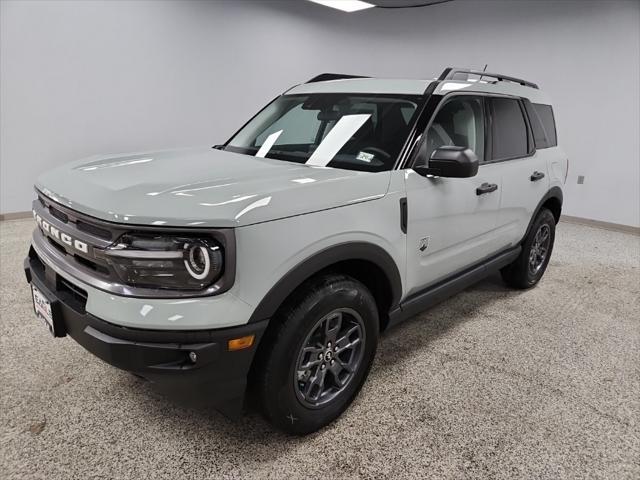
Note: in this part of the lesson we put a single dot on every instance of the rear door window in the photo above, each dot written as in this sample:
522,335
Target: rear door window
509,135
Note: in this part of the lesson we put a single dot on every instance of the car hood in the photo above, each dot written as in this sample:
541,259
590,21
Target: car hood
203,187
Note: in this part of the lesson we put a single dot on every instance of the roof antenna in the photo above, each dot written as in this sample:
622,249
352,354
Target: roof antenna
484,70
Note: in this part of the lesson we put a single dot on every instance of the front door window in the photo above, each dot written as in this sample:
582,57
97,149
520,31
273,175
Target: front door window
459,122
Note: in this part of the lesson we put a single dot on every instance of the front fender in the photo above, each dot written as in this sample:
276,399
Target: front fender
325,258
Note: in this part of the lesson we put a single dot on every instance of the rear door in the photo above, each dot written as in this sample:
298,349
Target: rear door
523,168
450,224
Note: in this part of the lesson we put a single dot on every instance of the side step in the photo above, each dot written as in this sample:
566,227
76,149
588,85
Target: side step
435,294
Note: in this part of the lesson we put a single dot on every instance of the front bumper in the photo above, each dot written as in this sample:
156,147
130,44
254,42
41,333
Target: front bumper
218,377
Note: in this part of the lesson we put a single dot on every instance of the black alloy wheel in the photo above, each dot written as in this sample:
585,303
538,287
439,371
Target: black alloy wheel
329,358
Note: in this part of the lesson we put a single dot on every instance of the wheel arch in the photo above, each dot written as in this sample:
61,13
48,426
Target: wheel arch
552,200
366,262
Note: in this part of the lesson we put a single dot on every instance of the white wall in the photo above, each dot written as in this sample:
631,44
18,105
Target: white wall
79,78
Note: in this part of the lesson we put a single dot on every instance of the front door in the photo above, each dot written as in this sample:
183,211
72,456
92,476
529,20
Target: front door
451,222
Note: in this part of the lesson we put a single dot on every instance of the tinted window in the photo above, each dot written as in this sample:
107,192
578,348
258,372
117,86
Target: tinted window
542,124
539,136
459,122
545,113
509,130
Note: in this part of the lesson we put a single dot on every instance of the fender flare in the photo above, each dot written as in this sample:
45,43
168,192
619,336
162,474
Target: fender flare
554,192
324,258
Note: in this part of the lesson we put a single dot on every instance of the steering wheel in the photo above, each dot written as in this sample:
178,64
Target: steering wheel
385,155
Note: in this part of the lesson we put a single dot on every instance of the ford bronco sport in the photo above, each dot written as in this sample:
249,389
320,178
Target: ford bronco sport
271,263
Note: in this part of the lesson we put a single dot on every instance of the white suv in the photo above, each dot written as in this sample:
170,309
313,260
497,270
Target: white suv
272,263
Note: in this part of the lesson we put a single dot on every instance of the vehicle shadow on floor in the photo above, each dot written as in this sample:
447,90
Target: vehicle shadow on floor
254,434
418,331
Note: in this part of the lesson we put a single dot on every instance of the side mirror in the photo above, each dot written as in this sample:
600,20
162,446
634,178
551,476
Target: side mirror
450,161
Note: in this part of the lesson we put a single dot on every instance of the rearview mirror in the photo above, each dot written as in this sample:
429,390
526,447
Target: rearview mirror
450,161
329,115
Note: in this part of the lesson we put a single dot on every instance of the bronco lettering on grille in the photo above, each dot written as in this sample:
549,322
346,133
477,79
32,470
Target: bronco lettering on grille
64,238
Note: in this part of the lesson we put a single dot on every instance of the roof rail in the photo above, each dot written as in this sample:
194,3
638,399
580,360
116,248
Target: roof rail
323,77
450,73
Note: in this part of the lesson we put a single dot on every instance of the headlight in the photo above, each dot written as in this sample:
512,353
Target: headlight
173,262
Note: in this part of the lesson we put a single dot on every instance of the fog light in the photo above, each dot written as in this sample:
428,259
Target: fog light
240,343
193,357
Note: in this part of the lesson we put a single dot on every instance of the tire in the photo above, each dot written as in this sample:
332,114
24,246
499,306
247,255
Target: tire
526,271
286,391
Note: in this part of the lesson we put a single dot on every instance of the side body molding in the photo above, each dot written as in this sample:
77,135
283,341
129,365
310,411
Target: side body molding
358,251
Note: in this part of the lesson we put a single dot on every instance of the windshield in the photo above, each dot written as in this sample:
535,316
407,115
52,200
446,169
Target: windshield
350,131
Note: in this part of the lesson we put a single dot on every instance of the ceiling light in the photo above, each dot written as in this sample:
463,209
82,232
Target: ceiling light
344,5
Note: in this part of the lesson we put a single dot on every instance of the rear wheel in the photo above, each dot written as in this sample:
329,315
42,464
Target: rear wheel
319,353
528,268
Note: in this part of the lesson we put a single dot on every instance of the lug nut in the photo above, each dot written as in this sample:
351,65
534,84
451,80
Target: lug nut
323,366
332,362
193,357
335,349
328,344
319,356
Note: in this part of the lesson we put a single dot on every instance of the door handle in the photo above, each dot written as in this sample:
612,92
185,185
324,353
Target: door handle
486,188
535,176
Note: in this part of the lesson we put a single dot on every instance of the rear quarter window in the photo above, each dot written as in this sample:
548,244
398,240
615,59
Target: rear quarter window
545,114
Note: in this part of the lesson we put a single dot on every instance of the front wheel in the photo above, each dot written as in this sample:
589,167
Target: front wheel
319,353
528,268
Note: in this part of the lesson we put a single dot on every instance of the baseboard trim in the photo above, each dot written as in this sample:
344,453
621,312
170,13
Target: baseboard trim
616,227
15,215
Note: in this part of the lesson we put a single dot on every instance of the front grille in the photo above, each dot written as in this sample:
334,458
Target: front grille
63,217
93,230
56,245
68,228
103,233
96,267
92,265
